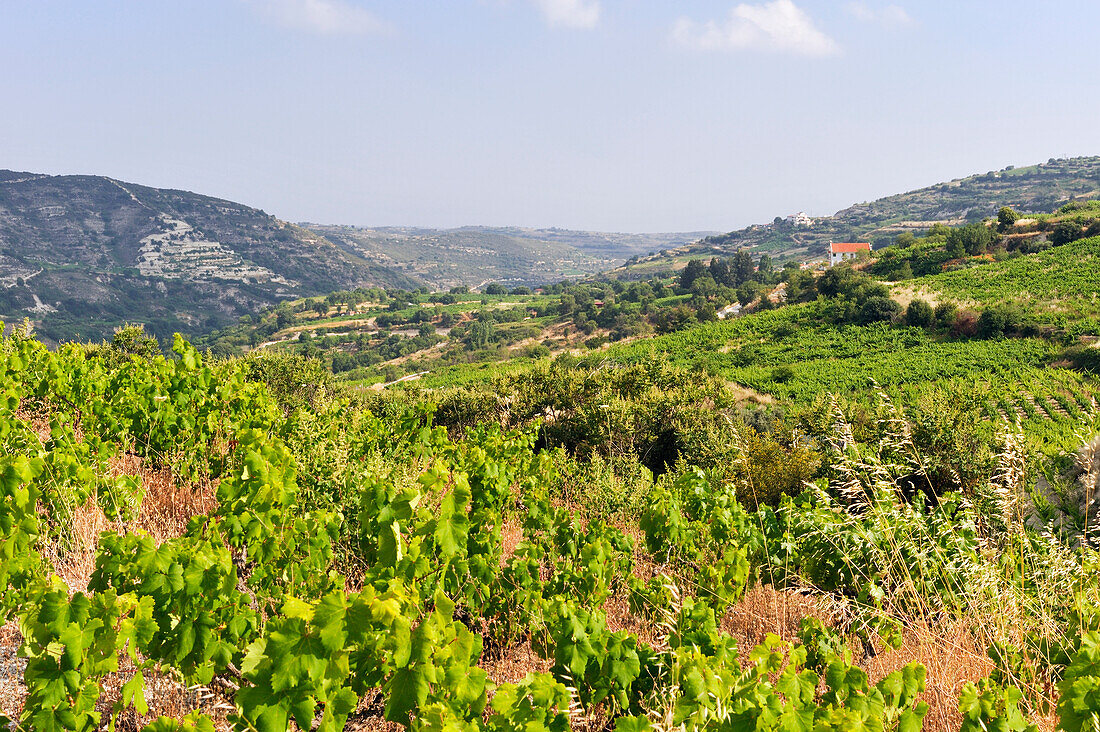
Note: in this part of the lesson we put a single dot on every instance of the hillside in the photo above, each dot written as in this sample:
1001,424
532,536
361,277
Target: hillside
476,255
1036,188
81,255
791,335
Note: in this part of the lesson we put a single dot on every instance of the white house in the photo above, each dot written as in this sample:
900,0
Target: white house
800,219
840,251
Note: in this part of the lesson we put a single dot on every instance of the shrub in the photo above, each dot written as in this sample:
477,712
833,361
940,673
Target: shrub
945,314
992,323
919,314
965,325
1065,233
877,309
1007,218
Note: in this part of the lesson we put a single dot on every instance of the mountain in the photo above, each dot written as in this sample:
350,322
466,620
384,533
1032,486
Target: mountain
1037,188
81,255
477,255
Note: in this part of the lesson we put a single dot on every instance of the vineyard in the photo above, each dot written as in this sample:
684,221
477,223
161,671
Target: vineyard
358,570
1058,285
795,355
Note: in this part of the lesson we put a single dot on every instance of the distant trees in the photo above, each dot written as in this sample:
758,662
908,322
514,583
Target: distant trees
765,268
731,272
495,288
693,271
905,239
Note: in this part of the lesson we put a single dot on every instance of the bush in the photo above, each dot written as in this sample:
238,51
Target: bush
1007,218
877,309
1065,233
970,239
782,374
945,314
993,322
131,340
919,314
295,381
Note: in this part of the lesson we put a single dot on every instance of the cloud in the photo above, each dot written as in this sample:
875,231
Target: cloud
779,26
890,16
323,17
582,14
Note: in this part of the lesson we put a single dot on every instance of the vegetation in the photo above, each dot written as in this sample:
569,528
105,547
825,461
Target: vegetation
734,497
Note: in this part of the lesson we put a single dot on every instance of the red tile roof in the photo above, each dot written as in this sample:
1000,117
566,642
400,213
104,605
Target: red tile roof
849,247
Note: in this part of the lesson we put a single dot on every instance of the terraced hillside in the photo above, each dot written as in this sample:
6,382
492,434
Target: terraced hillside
81,254
1036,188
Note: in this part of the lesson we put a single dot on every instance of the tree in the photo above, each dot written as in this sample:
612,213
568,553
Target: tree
904,272
749,291
693,271
743,270
673,319
919,314
495,288
971,239
801,285
720,271
132,340
706,313
765,267
992,323
905,239
1007,218
945,314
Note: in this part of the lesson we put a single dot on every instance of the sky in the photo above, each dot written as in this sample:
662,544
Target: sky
614,115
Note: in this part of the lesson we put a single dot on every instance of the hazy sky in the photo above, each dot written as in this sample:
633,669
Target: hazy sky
625,115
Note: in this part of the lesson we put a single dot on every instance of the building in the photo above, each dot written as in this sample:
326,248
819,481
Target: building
840,251
730,311
799,219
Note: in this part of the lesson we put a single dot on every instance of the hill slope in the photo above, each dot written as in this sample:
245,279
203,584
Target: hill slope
83,253
477,255
1036,188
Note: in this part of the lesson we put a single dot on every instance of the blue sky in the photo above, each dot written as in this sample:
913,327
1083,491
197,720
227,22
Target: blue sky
624,115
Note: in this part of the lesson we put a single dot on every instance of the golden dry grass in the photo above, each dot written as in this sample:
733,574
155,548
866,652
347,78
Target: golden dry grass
166,508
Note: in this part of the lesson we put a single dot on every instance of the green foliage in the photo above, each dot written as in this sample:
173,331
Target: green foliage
986,707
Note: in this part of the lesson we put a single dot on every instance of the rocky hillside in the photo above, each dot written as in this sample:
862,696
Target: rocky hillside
81,254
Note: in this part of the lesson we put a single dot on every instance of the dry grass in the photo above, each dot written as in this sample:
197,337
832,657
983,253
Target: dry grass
165,510
167,506
953,655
